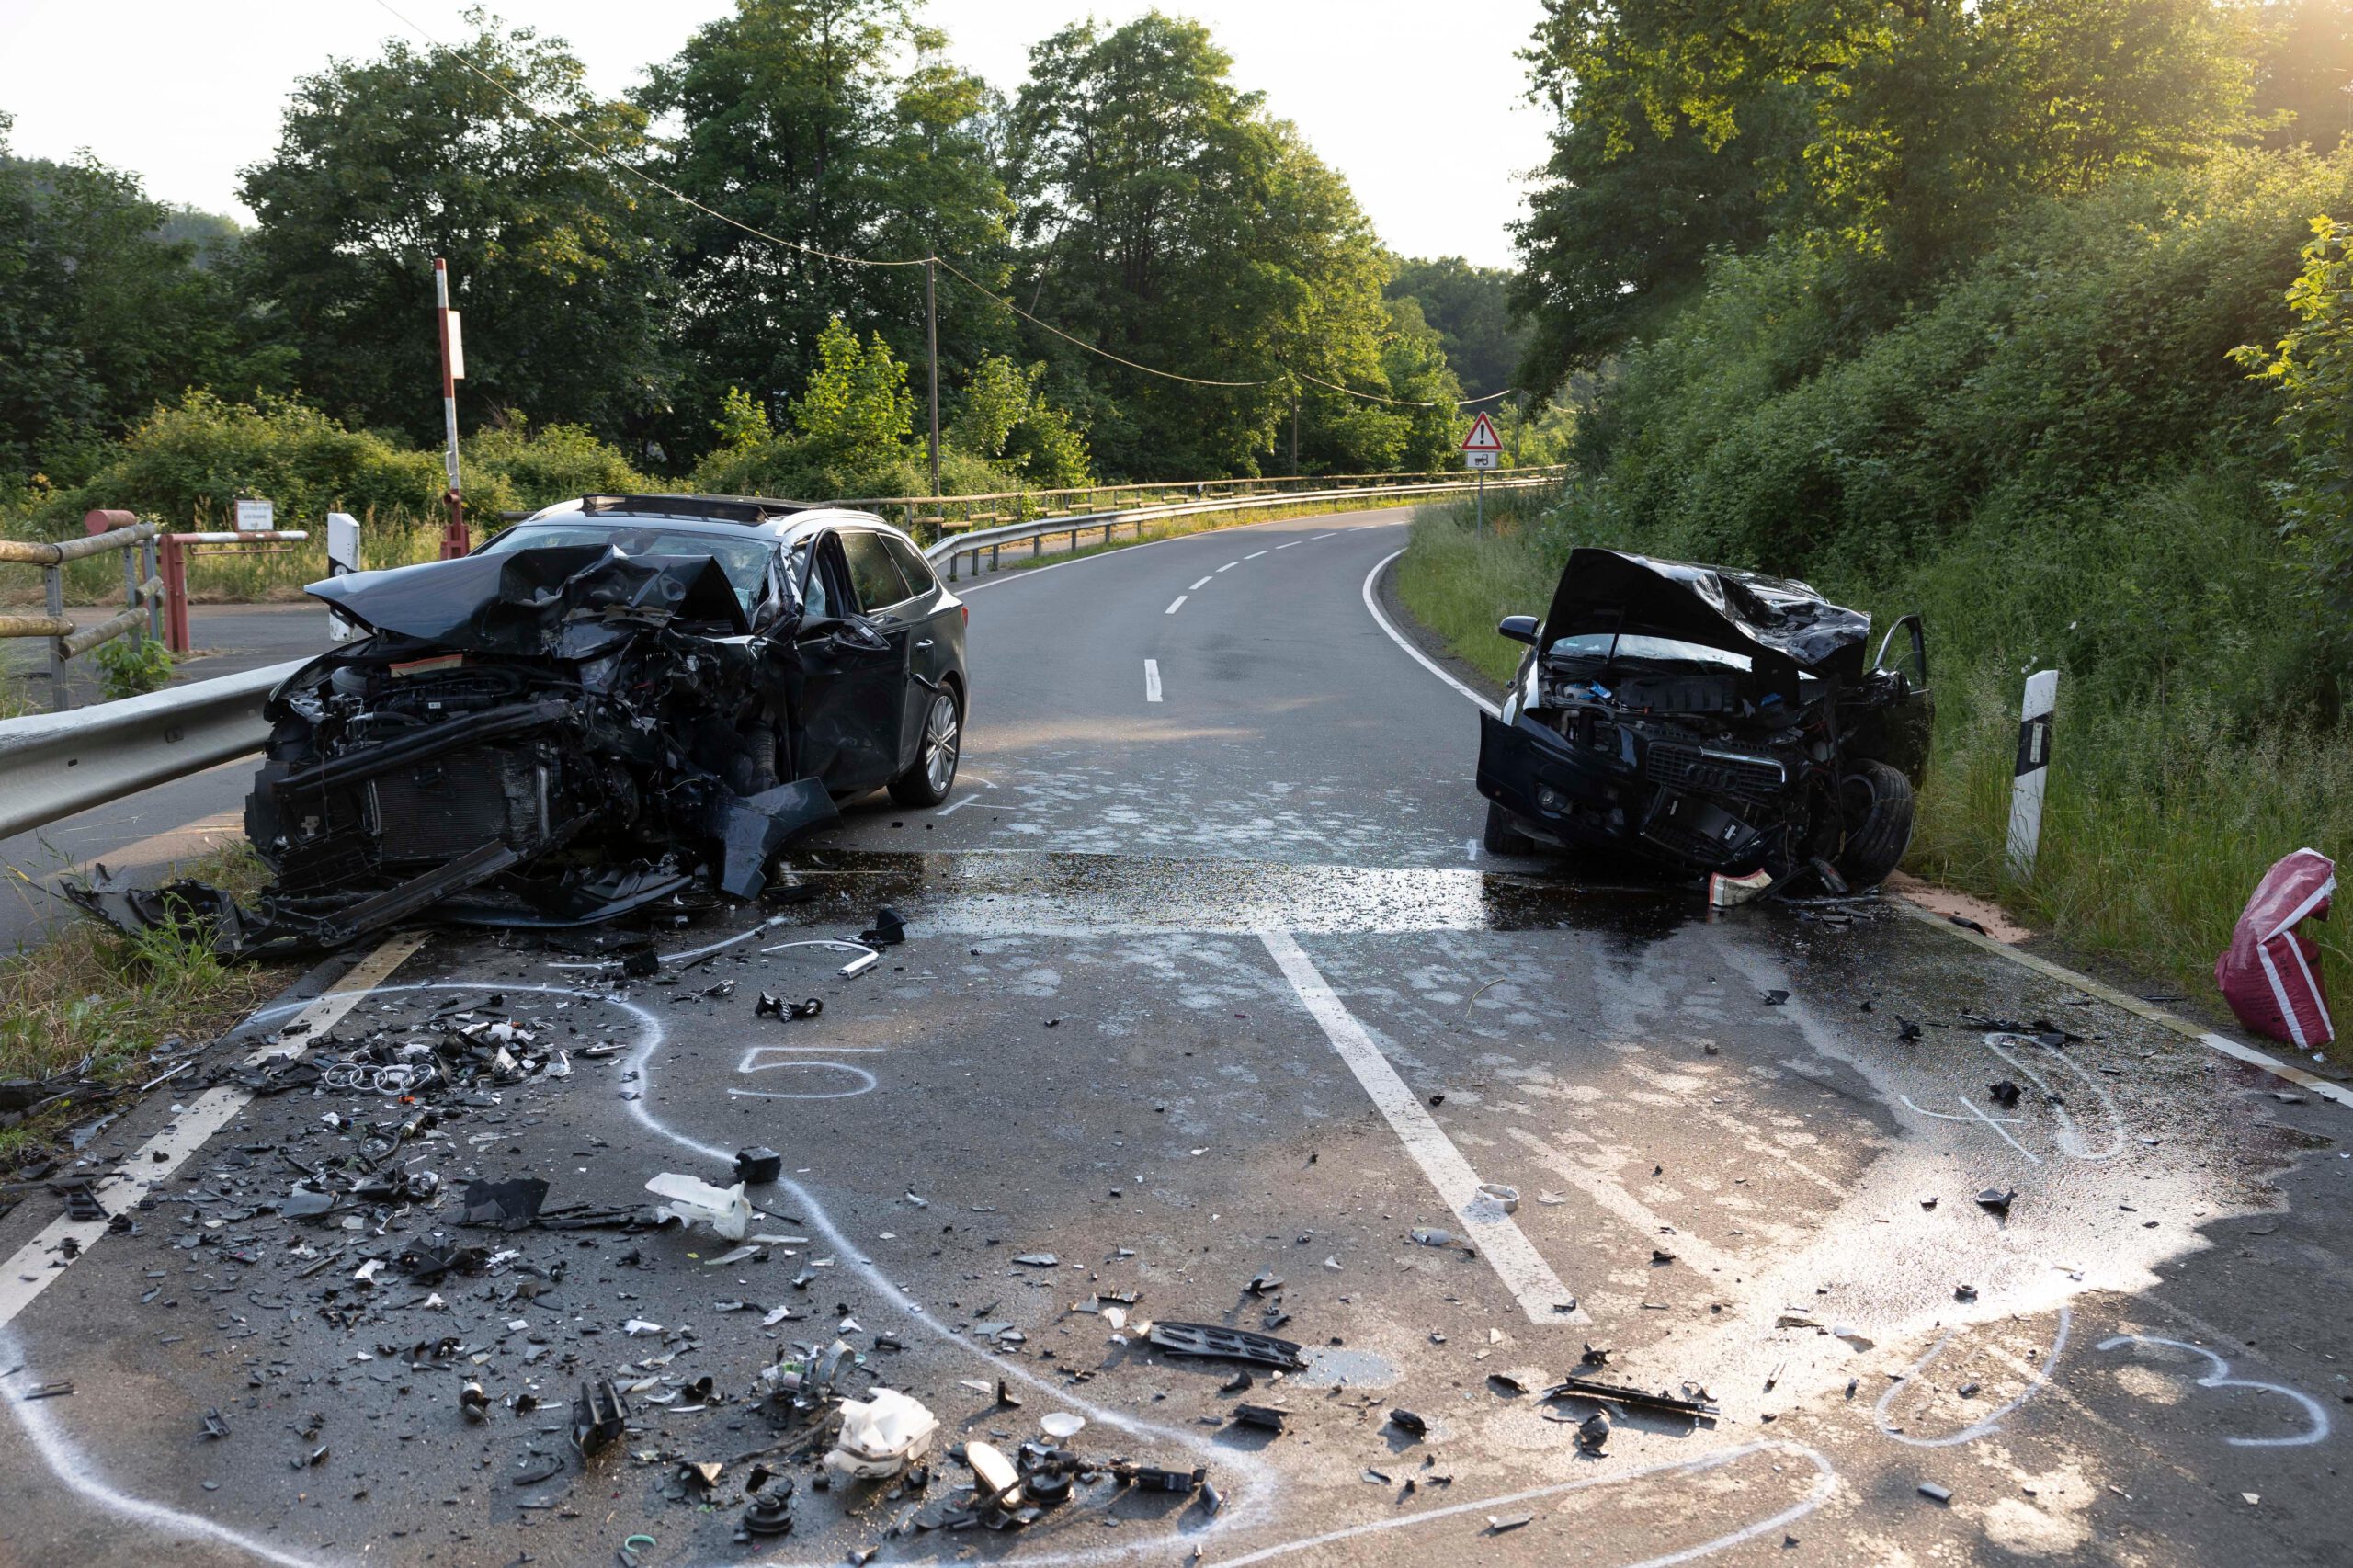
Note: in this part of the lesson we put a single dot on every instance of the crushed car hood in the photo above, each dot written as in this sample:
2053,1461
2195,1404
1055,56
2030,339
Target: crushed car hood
535,601
1742,612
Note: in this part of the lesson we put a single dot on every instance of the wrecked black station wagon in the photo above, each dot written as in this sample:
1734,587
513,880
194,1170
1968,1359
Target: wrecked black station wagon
1709,721
620,699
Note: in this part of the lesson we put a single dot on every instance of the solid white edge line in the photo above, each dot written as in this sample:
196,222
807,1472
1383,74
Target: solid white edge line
1372,604
27,1274
2061,972
1500,1240
1152,680
1173,608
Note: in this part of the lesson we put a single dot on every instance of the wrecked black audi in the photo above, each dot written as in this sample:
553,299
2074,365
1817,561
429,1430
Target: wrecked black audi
619,700
1715,722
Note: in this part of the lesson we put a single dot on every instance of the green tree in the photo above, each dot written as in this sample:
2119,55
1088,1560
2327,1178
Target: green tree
556,265
856,408
837,126
2312,366
1169,222
1469,309
1917,124
1002,415
101,316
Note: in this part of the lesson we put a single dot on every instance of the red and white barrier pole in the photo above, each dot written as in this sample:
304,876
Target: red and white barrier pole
454,538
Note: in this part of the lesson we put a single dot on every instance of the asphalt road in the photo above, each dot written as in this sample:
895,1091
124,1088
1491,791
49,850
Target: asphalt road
1198,990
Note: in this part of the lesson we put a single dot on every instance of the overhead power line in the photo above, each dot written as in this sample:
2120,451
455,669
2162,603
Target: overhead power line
612,162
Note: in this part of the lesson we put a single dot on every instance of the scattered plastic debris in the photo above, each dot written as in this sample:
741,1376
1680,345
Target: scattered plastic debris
882,1435
759,1167
724,1209
1211,1340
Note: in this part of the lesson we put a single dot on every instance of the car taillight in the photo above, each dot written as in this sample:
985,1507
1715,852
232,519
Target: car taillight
966,612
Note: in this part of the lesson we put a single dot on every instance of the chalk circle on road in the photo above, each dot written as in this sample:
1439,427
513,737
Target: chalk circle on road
861,1082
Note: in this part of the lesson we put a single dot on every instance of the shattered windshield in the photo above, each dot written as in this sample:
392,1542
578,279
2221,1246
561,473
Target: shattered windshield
745,560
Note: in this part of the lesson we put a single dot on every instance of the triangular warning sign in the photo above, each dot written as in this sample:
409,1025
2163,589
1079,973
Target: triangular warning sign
1483,436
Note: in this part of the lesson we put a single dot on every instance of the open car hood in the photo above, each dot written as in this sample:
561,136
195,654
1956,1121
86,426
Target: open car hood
521,601
1772,620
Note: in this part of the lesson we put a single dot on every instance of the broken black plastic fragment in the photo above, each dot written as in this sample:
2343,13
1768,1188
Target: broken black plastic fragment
1636,1399
1212,1340
510,1205
1995,1200
598,1416
889,929
758,1167
1409,1422
2004,1092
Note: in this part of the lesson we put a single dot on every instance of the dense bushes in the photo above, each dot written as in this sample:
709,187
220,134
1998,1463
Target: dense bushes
2057,458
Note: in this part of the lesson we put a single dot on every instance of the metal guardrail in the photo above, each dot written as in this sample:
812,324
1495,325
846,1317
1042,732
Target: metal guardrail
141,590
58,764
955,547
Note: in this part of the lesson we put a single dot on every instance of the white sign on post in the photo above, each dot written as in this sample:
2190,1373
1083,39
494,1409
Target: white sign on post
456,346
255,517
343,555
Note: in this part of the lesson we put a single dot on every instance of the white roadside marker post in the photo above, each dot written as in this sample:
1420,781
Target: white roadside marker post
2033,771
343,556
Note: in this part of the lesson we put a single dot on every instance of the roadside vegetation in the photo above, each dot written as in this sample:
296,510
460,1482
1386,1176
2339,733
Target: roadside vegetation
92,1006
2100,429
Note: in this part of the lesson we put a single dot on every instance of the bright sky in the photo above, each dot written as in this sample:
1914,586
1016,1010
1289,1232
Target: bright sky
1418,106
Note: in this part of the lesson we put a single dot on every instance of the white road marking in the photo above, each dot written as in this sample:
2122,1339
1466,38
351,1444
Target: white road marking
1826,1485
1200,585
1500,1240
1288,546
2219,1378
1638,1217
1324,536
1229,566
1152,680
1173,608
1993,1418
1254,556
1397,636
24,1277
952,811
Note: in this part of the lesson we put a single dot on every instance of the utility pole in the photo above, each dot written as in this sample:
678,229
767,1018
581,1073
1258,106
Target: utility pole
454,541
931,352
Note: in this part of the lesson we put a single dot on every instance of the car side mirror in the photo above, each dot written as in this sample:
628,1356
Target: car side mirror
1518,628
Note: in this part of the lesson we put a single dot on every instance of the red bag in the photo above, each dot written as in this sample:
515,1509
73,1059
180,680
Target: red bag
2267,972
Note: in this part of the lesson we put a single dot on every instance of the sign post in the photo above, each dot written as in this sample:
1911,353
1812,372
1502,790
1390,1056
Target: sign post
454,541
1482,449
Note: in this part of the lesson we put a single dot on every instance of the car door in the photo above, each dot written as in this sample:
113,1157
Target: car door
934,623
854,674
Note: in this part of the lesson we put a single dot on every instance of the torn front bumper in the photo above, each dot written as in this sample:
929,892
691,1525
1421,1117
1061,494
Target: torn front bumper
1622,789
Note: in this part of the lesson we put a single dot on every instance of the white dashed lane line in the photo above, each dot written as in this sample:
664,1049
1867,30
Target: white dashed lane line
1152,680
1229,566
1254,556
1288,546
1199,587
1173,608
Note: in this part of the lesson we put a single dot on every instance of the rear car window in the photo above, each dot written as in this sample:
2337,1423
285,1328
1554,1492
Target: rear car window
746,561
912,565
871,574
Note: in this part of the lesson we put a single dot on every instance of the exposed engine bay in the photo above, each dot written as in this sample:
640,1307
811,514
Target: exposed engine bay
1718,721
543,738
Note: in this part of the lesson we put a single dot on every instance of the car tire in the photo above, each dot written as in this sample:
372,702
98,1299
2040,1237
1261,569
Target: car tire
1502,837
1876,801
933,773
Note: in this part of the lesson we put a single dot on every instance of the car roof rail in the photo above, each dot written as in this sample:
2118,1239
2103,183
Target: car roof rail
749,510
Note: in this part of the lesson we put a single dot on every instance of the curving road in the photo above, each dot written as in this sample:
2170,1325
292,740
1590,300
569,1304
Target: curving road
1206,990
